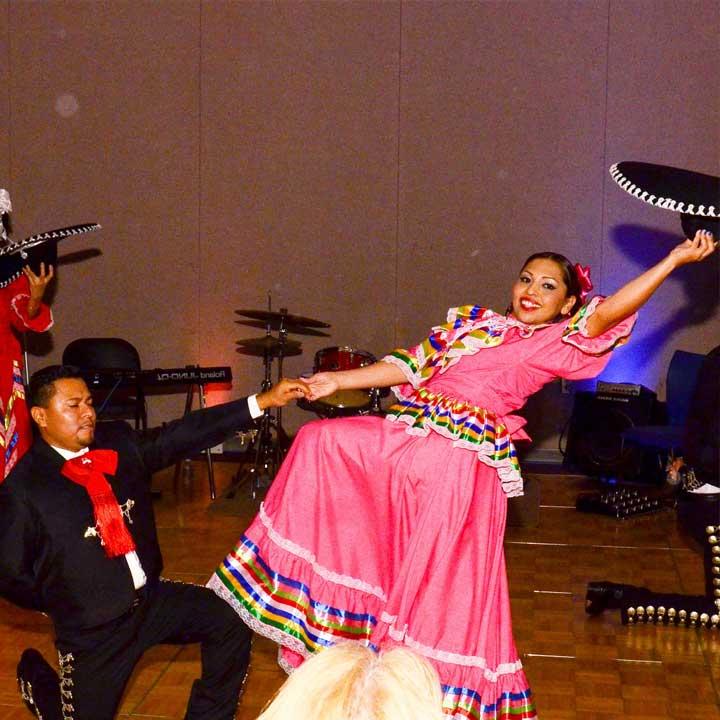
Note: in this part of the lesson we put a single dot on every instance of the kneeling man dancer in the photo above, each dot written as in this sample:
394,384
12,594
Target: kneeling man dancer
78,542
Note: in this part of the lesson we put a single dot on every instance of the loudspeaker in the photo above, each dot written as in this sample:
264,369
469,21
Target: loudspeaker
597,422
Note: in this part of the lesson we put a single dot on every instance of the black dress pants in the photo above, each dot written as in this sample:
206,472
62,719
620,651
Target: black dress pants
95,664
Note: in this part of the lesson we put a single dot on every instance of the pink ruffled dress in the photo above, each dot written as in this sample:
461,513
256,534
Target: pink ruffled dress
390,531
15,433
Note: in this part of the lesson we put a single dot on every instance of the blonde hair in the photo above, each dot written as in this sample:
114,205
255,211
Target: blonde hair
351,682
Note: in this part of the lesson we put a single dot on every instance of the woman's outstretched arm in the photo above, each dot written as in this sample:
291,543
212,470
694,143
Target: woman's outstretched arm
632,296
377,375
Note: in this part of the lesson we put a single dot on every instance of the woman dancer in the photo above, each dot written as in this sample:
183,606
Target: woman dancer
390,531
21,309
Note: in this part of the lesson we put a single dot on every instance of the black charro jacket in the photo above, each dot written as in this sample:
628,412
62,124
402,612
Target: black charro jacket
48,563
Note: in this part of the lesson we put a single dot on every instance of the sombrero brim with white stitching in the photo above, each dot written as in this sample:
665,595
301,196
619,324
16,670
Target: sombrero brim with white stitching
41,247
694,195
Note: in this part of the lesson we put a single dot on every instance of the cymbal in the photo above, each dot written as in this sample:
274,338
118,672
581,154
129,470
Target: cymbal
269,345
278,317
275,325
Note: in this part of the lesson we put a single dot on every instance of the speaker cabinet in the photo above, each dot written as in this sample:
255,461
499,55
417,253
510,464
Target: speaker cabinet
594,443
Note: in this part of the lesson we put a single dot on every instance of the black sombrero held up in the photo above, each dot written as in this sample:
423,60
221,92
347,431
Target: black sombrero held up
33,250
694,195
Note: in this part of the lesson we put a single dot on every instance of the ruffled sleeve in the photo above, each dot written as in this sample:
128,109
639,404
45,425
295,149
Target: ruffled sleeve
442,347
20,318
585,356
576,331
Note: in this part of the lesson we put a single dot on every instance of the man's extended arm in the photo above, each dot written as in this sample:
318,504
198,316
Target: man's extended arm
201,429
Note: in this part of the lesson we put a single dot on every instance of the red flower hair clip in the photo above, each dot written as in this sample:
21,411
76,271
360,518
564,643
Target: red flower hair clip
583,276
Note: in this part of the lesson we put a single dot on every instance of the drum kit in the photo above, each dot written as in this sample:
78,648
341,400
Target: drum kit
271,441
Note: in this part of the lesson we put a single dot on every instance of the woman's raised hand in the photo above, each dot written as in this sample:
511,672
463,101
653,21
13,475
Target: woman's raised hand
38,283
634,294
695,250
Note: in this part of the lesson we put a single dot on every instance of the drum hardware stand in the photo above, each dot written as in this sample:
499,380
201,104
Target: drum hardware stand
375,407
268,451
282,436
268,454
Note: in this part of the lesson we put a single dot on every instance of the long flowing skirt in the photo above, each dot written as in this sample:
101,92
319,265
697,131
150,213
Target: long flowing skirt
373,535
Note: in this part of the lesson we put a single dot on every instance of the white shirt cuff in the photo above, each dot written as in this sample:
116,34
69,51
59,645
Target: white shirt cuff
255,411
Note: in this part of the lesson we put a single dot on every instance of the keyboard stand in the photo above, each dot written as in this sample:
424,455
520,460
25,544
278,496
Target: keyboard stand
207,452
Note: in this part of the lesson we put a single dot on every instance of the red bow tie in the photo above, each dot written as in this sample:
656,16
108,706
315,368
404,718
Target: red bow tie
89,471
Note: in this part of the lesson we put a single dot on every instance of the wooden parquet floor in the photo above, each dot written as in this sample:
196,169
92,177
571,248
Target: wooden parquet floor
579,667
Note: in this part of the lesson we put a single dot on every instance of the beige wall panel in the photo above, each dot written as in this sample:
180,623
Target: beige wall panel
370,163
500,147
105,127
501,155
663,107
299,171
4,98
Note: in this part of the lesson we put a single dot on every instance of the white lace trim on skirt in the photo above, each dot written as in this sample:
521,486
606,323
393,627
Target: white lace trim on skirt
309,557
289,641
455,658
272,633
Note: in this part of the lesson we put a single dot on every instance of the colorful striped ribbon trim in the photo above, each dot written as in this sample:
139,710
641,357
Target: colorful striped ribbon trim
16,393
578,320
467,424
9,437
467,330
466,703
285,604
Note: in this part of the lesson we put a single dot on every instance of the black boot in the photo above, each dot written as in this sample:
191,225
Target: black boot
39,685
604,595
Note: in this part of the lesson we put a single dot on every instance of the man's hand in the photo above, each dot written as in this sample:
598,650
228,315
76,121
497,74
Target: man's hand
282,393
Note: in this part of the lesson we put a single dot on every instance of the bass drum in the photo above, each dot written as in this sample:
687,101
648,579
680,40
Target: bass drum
342,402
